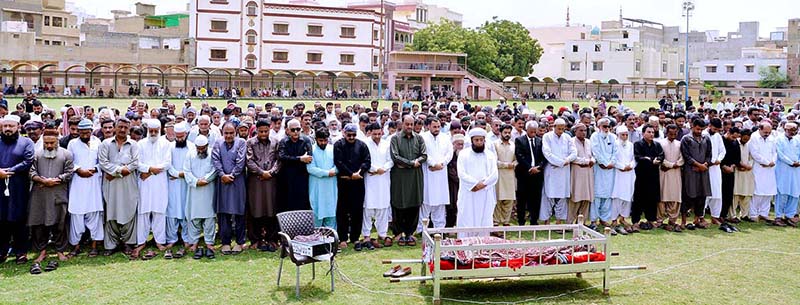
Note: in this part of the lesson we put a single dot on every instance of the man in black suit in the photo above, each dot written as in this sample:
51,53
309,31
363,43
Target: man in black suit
529,173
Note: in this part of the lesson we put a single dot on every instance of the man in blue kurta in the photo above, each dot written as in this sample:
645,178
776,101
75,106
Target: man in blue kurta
604,152
229,161
16,158
787,170
322,191
176,205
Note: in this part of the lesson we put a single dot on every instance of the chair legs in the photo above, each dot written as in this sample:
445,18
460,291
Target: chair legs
313,271
280,269
297,284
332,274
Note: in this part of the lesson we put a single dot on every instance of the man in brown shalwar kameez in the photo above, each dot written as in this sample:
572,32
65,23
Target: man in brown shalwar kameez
262,168
51,171
670,179
582,176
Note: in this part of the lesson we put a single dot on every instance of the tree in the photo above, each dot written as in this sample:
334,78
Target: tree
450,37
517,51
772,78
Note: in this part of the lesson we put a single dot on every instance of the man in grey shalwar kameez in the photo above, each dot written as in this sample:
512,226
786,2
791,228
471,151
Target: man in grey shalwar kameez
229,161
118,157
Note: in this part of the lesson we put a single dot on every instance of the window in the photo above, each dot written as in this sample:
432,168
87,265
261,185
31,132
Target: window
597,47
56,43
681,67
250,61
219,26
280,56
252,9
47,42
663,67
583,36
729,69
347,59
638,66
219,2
624,34
219,55
314,58
348,32
375,60
597,66
251,37
47,20
58,22
674,39
711,69
280,29
314,30
375,35
574,48
575,66
749,68
774,68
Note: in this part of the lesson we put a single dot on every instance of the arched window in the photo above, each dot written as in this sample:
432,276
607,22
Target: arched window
250,61
252,8
251,37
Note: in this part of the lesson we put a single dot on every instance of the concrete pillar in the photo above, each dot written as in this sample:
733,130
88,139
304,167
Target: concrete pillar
390,83
426,84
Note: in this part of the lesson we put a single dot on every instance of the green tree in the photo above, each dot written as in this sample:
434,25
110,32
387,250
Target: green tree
517,51
772,78
450,37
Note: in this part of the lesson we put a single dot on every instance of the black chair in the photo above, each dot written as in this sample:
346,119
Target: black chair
297,223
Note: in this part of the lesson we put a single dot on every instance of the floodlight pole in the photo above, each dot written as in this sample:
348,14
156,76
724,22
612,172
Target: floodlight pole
688,7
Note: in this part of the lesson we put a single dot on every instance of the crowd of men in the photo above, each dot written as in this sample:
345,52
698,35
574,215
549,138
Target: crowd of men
80,179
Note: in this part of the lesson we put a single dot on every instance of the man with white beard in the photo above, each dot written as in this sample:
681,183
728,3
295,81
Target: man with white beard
440,152
154,161
85,193
176,205
477,173
199,173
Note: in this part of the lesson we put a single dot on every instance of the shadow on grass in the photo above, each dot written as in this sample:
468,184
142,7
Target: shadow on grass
529,289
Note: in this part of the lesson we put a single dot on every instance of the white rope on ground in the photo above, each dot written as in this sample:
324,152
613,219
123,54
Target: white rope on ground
347,279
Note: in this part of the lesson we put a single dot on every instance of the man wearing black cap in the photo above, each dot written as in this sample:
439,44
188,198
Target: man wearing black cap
352,159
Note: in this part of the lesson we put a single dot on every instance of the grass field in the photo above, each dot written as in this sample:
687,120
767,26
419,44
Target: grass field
756,266
56,103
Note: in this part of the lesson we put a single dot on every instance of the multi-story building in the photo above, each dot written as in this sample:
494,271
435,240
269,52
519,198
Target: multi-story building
625,51
741,72
47,19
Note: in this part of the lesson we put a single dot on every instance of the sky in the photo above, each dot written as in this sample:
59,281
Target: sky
722,15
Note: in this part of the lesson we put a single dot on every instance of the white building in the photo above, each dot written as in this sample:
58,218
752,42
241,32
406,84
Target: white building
273,38
741,72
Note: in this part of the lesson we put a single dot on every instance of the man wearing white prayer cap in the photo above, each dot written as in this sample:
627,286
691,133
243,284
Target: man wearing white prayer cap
16,158
85,192
559,150
477,174
199,173
178,188
155,160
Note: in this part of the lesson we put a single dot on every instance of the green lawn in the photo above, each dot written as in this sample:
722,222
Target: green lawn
695,267
57,103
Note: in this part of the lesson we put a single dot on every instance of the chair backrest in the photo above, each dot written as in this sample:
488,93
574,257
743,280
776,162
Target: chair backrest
295,223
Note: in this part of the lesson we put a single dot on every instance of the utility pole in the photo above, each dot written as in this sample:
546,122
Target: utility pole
380,59
688,7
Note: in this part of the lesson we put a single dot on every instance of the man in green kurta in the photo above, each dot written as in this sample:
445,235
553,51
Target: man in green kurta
408,153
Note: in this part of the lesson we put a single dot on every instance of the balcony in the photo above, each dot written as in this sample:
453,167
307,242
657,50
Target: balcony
427,66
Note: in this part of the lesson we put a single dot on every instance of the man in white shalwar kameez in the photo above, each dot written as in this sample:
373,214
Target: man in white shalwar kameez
176,205
477,175
624,179
154,161
86,189
377,185
714,202
764,152
434,173
559,150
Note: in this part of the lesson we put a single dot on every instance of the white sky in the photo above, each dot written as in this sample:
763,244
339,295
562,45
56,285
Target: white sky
722,15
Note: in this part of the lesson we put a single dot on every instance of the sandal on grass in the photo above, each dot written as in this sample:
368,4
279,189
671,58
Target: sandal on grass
51,266
36,269
148,255
168,254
